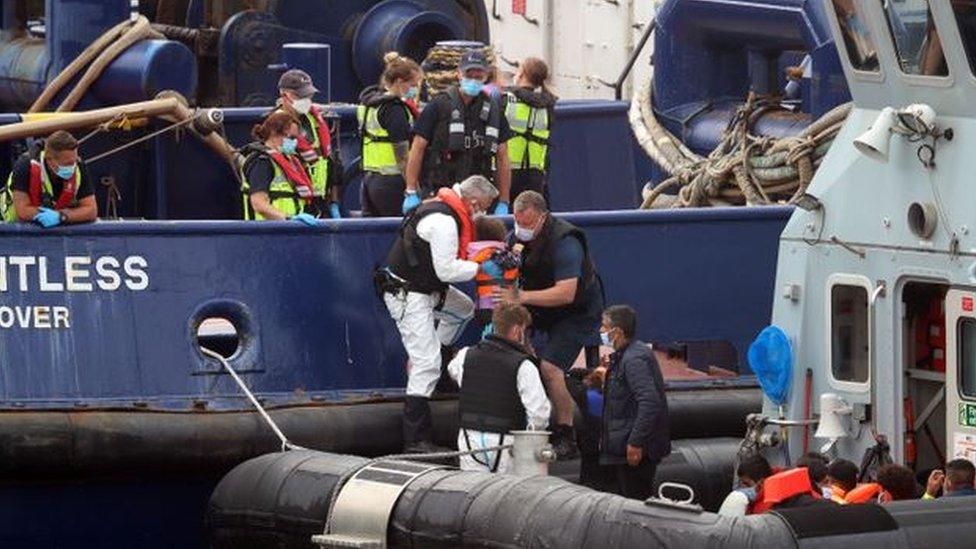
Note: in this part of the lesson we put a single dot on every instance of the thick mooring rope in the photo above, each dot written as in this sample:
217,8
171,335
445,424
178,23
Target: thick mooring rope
743,168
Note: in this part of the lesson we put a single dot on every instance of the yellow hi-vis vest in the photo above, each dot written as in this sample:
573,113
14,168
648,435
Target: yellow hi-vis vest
318,169
47,191
530,134
281,192
379,153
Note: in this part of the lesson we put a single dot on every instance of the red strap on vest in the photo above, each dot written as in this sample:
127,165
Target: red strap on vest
325,137
295,173
65,199
449,197
412,105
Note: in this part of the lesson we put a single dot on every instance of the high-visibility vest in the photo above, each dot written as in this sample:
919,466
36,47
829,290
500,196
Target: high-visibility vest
285,196
314,147
41,191
318,167
529,144
379,153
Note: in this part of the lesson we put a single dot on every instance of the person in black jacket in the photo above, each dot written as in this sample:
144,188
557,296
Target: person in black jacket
460,133
560,286
635,408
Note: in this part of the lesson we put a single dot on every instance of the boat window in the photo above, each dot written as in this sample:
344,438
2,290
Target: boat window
849,350
967,357
965,11
857,38
916,39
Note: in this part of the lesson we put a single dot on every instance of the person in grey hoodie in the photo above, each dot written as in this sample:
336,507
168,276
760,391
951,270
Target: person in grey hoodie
636,435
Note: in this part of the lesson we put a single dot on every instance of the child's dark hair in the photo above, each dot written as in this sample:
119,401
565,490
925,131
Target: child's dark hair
489,228
754,467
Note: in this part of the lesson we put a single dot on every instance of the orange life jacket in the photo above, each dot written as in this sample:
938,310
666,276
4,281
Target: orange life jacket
451,198
486,284
838,494
863,493
783,486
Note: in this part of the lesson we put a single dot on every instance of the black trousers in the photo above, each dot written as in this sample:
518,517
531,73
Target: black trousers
382,195
528,180
636,482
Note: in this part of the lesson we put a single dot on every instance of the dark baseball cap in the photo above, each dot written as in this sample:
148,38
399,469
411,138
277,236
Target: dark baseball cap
298,81
473,59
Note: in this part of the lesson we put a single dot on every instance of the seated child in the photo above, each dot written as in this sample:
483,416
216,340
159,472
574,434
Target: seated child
490,245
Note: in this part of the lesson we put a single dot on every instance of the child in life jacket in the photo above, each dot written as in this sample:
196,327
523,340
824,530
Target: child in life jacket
503,269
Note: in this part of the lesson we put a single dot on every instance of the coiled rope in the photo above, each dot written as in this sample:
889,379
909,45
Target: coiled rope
743,168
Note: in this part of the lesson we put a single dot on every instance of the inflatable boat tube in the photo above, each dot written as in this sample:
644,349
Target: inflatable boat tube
281,500
711,413
84,442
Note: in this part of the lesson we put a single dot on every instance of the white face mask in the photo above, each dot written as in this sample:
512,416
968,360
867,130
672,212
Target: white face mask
523,234
302,106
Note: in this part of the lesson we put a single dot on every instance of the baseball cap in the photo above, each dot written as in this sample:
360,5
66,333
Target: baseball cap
473,59
298,81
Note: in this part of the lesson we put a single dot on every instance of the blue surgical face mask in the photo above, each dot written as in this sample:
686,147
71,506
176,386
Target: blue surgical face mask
605,339
411,92
749,492
471,87
65,172
289,145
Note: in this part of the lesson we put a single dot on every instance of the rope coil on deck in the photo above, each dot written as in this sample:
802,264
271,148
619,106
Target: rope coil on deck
743,168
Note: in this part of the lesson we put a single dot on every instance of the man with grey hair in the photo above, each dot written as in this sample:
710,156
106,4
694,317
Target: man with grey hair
430,254
560,287
314,140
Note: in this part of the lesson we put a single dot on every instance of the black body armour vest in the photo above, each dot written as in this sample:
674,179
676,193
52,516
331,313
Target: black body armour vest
490,400
465,140
410,258
539,265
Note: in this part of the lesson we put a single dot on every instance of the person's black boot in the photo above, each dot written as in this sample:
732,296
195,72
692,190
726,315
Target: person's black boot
564,442
445,384
417,428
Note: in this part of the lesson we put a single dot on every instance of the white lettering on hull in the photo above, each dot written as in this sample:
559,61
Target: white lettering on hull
41,317
73,273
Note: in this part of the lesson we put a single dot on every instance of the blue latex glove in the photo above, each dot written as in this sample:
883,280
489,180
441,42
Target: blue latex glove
305,218
492,269
594,403
487,331
410,201
334,211
501,208
47,218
